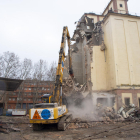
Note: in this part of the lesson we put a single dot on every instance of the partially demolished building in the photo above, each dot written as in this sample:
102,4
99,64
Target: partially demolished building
106,55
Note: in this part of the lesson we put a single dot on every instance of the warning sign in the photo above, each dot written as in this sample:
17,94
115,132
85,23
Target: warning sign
36,115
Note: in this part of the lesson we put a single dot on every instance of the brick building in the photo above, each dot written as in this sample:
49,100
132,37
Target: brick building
28,94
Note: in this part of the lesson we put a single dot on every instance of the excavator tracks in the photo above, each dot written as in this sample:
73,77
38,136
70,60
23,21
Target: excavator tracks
63,122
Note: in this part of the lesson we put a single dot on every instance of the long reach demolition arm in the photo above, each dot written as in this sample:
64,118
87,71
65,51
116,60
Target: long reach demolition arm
57,92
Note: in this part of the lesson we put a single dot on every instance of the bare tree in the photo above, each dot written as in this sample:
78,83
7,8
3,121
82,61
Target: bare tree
9,65
25,73
39,74
51,74
25,69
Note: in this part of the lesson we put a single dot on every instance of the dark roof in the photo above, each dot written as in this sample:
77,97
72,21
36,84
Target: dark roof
8,84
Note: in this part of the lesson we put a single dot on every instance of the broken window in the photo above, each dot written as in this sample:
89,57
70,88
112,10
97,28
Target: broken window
112,101
88,27
127,101
121,5
88,37
102,101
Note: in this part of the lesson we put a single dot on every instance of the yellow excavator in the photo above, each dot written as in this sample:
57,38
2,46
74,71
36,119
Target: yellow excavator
52,109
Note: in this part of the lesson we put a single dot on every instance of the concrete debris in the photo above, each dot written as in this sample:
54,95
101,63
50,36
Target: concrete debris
107,114
98,30
70,87
6,128
130,112
2,128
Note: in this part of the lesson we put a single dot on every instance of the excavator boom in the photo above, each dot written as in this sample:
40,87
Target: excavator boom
57,92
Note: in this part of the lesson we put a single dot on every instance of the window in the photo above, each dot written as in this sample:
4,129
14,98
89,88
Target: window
24,106
48,88
29,93
29,88
30,106
102,101
9,99
25,94
13,99
88,27
121,5
25,88
29,99
25,99
18,106
14,93
127,101
93,20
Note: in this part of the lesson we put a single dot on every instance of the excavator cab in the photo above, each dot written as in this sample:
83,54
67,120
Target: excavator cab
46,98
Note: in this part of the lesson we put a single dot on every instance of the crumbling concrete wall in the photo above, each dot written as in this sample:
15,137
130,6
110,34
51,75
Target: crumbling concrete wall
106,55
77,64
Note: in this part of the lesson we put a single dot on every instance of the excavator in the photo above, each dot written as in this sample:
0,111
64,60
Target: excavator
52,110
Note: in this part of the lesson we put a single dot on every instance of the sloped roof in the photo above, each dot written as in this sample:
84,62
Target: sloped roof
8,84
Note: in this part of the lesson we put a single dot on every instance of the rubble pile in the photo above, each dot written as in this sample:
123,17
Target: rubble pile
130,112
108,114
6,128
67,86
70,87
79,123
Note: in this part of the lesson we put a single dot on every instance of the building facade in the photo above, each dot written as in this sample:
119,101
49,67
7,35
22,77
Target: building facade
28,94
106,55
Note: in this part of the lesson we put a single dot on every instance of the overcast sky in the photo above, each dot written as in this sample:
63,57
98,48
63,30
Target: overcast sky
33,28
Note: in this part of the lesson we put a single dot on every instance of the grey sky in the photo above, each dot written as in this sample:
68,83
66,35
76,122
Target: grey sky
33,28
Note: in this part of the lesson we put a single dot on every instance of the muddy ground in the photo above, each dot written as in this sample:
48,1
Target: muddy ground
98,131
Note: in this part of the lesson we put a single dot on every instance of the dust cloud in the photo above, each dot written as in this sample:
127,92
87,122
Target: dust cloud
87,108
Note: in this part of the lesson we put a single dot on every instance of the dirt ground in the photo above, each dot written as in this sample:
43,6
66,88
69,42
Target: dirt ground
99,131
